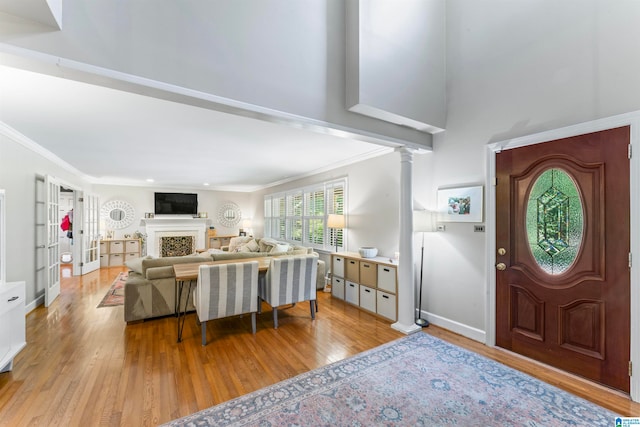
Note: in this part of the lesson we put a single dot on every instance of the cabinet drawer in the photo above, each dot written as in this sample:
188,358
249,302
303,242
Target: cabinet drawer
387,278
116,247
337,287
368,274
368,298
104,260
386,305
104,247
11,296
352,293
132,246
352,270
116,259
338,266
131,255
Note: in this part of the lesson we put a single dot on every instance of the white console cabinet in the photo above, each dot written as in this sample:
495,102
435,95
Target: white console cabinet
369,283
115,252
12,323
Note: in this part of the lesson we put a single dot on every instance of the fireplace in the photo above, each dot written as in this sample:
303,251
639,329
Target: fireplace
183,235
177,245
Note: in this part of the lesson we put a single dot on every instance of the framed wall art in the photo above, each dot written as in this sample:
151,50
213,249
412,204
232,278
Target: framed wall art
460,204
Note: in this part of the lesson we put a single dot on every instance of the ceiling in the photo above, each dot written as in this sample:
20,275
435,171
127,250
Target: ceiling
122,138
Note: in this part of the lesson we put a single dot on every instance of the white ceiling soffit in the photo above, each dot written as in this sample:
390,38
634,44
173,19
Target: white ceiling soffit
123,138
47,12
396,62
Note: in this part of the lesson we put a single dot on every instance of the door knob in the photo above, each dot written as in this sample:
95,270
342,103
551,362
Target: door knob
501,266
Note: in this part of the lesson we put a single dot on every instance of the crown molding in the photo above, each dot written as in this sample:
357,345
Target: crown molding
29,144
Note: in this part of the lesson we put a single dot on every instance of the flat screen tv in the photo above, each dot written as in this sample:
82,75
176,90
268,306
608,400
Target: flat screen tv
176,204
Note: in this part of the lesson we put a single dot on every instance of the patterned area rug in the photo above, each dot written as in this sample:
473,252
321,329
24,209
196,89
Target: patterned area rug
115,294
417,380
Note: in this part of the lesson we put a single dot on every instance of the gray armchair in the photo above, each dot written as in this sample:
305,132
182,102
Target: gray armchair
226,290
290,280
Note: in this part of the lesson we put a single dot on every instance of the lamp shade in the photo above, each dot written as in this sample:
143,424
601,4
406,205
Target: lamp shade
423,221
335,221
246,223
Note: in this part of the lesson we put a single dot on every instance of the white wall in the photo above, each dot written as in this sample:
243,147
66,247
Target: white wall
373,202
18,169
141,198
517,68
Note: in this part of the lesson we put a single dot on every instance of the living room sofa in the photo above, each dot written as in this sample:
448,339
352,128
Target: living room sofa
150,289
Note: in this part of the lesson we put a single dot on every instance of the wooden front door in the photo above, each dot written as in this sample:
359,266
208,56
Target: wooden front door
563,242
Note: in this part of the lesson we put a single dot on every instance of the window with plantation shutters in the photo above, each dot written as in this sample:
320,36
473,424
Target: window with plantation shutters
335,205
300,215
279,226
314,216
294,217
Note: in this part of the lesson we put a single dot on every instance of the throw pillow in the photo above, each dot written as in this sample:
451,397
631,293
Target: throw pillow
250,246
281,247
237,241
135,264
267,244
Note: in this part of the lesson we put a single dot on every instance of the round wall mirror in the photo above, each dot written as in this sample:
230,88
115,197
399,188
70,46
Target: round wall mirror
229,214
117,214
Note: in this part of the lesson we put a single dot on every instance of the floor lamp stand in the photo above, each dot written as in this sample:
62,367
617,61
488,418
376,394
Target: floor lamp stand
420,321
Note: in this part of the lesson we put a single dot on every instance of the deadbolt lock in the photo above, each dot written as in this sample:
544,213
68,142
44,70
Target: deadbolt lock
502,251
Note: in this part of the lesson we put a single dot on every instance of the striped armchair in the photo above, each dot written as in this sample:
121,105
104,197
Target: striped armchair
290,280
226,290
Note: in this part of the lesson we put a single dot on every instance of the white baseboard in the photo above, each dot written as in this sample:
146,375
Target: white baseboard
35,303
457,327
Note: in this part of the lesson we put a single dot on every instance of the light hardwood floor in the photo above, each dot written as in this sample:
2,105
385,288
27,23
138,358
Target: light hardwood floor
83,366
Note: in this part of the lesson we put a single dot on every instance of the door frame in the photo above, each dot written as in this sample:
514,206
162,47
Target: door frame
629,119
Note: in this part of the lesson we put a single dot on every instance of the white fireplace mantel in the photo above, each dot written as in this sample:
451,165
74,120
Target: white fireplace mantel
157,227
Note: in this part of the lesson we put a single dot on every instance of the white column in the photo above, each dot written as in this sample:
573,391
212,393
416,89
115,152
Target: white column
406,303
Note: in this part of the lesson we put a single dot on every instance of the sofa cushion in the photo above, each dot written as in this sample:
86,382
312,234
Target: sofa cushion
171,260
238,255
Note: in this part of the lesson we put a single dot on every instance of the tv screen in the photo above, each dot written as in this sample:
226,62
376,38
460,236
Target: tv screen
176,204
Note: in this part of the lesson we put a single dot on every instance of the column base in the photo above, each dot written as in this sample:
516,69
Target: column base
406,329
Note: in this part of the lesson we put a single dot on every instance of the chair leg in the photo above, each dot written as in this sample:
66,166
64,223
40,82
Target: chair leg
275,318
253,323
203,327
259,305
313,307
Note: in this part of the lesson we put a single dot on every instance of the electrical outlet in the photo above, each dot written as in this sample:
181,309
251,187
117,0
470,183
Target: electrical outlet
478,228
440,227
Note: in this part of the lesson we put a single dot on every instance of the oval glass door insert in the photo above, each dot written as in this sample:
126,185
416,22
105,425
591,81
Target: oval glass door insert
555,221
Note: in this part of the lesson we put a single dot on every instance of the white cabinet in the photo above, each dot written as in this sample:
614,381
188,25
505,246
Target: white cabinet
116,252
368,298
369,283
352,293
386,305
12,323
337,287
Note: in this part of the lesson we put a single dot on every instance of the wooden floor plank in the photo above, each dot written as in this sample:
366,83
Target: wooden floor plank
84,366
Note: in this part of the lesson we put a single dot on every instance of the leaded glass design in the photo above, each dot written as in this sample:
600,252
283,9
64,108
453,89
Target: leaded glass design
555,220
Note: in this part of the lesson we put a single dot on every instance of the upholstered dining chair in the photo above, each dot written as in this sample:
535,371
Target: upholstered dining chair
290,280
226,290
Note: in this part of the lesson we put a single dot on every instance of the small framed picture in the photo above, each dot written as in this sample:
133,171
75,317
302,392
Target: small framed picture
242,233
460,204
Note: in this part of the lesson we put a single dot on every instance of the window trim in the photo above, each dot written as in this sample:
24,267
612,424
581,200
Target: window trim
272,223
